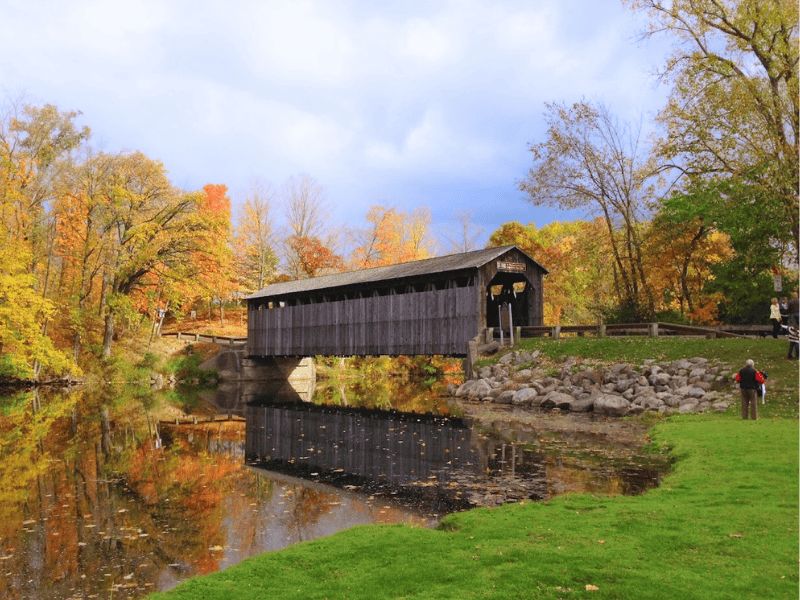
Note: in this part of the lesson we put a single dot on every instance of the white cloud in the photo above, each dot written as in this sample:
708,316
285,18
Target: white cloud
366,97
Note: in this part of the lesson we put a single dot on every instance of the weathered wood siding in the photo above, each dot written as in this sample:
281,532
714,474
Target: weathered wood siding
430,322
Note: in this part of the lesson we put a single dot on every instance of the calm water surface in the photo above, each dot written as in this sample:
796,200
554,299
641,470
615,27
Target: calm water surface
122,491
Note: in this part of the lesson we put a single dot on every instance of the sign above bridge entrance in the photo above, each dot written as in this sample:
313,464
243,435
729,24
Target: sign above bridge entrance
511,267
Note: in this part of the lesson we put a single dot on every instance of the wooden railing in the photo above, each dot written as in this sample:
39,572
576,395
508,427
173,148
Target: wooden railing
654,329
191,336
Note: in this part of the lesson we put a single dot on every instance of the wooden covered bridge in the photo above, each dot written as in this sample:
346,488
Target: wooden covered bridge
432,306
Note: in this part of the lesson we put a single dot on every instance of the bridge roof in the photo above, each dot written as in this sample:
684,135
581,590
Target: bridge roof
417,268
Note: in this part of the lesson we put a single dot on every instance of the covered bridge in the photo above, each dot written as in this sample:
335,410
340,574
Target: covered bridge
432,306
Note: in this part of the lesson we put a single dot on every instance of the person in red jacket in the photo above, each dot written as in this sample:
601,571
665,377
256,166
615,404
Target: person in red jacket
749,379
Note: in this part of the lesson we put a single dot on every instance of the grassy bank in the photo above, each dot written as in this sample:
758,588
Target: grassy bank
722,525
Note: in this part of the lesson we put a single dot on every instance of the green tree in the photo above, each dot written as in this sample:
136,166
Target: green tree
733,110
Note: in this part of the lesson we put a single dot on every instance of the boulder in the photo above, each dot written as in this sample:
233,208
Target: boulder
490,348
485,372
660,378
688,407
682,364
623,384
475,388
524,396
506,358
523,375
698,360
554,399
697,373
696,392
614,406
720,406
582,404
505,397
650,402
635,409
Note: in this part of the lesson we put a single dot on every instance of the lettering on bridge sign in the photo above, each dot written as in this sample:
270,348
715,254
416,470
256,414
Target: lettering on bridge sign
511,267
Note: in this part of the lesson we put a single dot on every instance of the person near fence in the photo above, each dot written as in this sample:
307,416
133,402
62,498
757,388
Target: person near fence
749,381
794,309
794,342
775,317
784,306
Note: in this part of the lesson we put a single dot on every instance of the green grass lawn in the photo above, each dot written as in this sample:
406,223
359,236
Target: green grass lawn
723,524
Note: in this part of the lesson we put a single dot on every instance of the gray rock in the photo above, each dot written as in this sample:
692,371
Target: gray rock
506,358
688,407
557,399
698,360
660,379
672,401
490,348
476,388
696,392
614,406
635,409
623,384
485,372
651,403
682,364
505,397
628,394
523,375
523,396
720,406
697,372
582,404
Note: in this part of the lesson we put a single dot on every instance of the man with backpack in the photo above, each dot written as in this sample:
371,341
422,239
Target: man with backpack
749,381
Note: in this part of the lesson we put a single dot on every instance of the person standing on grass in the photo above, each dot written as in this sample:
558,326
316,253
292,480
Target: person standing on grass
749,380
794,342
775,317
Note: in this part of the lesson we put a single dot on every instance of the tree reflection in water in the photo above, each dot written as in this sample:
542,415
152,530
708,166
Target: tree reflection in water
92,504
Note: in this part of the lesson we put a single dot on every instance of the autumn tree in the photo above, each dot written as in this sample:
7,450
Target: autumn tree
256,260
213,270
733,110
312,257
154,230
391,237
589,159
578,288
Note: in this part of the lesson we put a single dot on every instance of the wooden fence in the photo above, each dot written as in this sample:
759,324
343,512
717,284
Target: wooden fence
191,336
654,329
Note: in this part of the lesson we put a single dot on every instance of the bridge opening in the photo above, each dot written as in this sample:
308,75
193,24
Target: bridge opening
513,289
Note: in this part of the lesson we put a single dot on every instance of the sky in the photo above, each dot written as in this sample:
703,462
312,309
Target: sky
402,104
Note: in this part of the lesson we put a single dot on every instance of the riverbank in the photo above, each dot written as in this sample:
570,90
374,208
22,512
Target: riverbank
723,524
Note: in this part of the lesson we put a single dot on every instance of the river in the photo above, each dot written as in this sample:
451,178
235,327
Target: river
122,490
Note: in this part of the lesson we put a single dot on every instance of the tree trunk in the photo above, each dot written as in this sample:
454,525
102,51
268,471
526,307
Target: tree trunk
108,333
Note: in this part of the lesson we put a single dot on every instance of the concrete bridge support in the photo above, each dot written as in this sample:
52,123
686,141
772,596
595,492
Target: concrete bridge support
278,378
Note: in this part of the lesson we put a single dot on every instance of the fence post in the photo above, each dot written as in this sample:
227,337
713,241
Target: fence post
601,330
196,337
556,334
180,336
510,326
653,329
518,333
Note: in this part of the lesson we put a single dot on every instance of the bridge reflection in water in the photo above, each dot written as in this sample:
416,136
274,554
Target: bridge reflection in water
437,463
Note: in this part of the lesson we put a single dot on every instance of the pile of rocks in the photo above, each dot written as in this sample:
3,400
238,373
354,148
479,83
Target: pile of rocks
681,386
